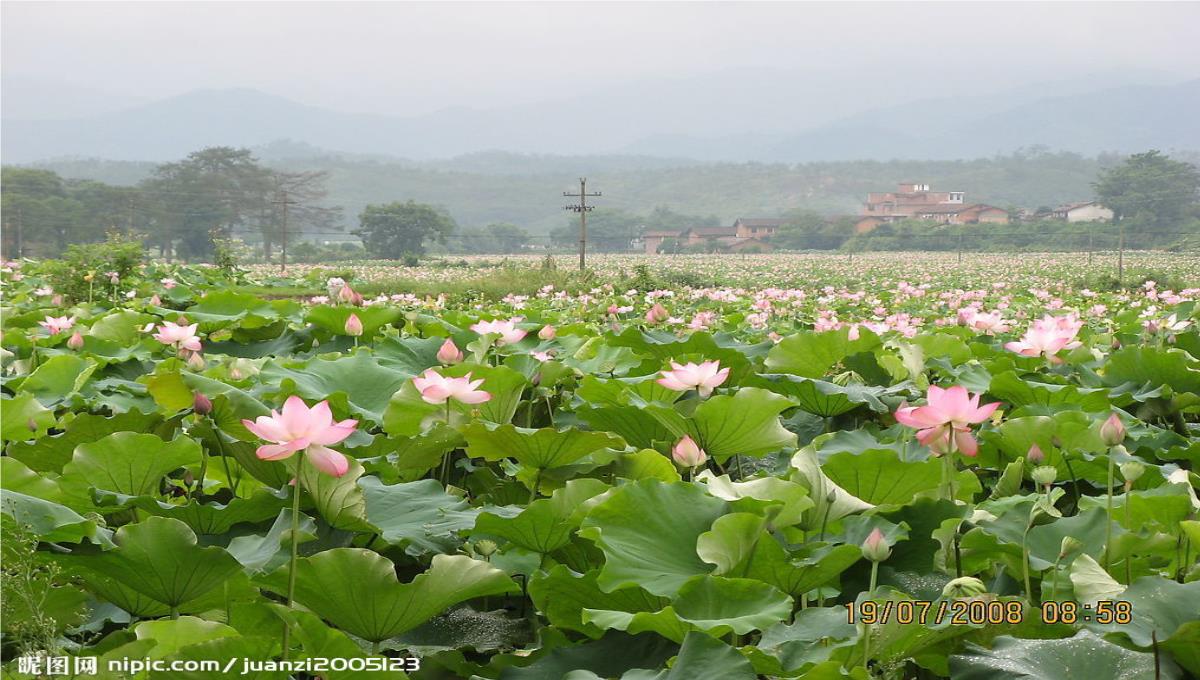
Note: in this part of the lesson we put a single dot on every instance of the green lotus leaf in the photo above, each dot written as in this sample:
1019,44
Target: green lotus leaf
128,463
23,417
1143,365
1091,582
819,397
59,378
1184,646
646,464
562,595
1082,656
262,553
205,518
788,500
1049,397
373,317
1160,607
615,655
158,557
537,449
811,638
357,589
367,384
745,423
51,521
647,531
812,354
712,604
830,501
418,516
703,657
547,524
339,500
881,477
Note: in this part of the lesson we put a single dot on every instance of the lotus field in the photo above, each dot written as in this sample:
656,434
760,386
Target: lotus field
892,466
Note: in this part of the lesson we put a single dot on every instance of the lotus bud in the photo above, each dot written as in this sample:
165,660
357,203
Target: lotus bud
195,361
201,405
964,586
449,353
354,325
547,333
657,314
155,300
1112,431
1069,545
1044,474
75,341
485,547
1132,470
875,548
57,300
688,454
1035,455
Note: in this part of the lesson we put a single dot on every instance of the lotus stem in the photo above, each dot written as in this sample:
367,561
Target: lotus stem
291,588
1108,516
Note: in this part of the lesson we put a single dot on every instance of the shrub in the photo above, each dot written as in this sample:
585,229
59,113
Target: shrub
120,253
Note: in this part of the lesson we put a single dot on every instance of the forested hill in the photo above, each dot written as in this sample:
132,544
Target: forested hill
527,190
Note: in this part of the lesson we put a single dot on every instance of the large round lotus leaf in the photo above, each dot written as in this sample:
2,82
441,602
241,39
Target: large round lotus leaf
648,532
745,423
357,589
158,557
539,449
129,463
1082,656
712,604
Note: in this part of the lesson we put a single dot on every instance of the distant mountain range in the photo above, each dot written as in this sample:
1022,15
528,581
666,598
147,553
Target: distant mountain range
1124,118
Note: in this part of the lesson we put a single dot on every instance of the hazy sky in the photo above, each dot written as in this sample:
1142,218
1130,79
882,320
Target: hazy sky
410,58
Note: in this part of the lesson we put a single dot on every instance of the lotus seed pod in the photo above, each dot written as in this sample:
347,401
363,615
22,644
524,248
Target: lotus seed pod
1132,470
964,586
1069,545
485,547
1044,474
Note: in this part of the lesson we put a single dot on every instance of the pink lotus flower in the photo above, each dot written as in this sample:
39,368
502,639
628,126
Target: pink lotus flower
155,300
436,388
349,296
57,324
168,283
875,547
179,336
943,421
1047,336
547,333
703,377
75,341
354,325
299,428
449,353
507,330
687,453
657,314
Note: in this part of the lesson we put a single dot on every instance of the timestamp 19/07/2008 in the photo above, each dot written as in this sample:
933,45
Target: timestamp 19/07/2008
980,611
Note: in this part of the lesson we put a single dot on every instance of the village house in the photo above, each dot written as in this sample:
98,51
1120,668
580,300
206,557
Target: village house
746,235
1089,211
916,201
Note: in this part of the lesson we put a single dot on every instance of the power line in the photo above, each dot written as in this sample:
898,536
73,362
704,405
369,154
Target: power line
583,209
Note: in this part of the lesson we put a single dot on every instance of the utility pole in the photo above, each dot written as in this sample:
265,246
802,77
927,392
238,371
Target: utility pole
130,231
1121,256
583,209
283,240
1091,233
960,244
20,235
